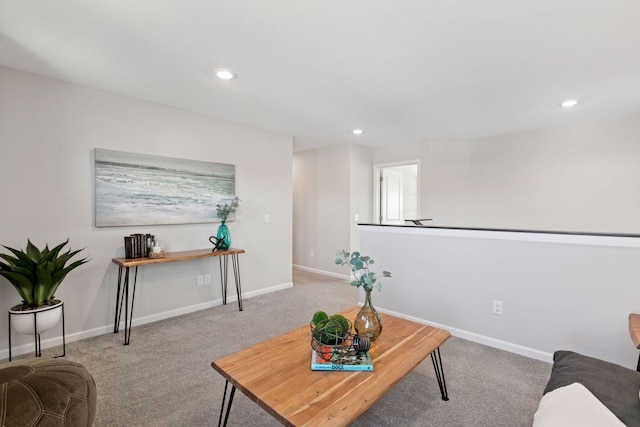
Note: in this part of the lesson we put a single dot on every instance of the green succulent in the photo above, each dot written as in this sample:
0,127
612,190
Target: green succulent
331,331
36,274
319,316
344,323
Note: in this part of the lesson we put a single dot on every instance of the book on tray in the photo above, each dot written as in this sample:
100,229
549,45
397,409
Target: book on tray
345,360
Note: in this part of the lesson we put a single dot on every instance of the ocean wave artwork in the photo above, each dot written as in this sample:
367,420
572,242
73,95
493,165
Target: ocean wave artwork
141,189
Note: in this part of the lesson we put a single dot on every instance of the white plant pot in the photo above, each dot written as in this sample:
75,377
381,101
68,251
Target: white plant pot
46,318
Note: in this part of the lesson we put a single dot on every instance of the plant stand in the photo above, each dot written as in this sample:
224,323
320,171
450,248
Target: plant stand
36,335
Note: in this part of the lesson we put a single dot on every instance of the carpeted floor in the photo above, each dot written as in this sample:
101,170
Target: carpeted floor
164,377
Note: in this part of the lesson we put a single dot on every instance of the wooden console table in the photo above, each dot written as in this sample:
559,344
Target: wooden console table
122,294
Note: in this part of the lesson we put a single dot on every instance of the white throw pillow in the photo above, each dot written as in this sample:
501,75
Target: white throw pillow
573,405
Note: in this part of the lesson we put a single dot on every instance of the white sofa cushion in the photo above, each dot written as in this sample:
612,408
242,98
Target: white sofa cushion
573,405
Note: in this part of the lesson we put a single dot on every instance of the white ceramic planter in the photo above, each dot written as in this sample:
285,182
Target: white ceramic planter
46,318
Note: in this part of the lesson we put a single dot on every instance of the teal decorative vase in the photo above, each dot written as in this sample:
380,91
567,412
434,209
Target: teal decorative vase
368,322
223,238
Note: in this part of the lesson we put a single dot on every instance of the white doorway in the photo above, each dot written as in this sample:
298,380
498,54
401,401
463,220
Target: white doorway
396,192
391,197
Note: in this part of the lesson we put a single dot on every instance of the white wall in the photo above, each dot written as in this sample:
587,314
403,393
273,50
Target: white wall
321,207
331,185
576,178
48,131
559,292
361,178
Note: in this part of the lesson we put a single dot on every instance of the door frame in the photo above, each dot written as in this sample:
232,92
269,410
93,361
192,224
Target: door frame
377,170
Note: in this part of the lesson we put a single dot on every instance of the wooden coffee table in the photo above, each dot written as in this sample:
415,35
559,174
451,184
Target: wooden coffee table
634,331
277,375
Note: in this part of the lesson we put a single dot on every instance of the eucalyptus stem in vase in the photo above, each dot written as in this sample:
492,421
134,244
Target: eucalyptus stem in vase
224,209
367,320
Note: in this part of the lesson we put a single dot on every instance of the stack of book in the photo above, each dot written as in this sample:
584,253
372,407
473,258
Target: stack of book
340,360
138,245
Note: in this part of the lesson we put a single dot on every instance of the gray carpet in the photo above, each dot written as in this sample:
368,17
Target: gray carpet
164,377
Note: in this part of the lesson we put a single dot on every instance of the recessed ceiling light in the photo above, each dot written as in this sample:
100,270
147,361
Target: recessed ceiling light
569,103
225,74
357,131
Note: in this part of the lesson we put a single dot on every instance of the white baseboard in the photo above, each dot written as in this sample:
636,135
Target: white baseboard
480,339
460,333
77,336
323,272
203,306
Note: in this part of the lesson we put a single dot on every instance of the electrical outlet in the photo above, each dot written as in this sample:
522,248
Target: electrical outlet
266,219
200,280
207,279
357,217
312,253
497,307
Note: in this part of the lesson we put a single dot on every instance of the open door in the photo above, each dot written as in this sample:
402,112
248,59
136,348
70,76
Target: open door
396,193
391,197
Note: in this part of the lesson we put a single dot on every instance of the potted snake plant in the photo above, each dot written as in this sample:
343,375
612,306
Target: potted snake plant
36,274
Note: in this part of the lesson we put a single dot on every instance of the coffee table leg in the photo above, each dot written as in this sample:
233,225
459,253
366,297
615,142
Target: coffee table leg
224,397
437,367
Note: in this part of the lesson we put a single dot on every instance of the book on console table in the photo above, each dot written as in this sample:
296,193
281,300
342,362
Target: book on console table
345,361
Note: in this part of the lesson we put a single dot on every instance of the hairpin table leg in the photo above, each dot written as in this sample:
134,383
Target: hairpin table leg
224,397
437,366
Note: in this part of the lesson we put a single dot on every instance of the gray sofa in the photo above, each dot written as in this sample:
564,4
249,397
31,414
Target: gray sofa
615,386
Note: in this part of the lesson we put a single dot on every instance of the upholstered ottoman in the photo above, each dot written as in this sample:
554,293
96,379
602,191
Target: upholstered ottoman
46,392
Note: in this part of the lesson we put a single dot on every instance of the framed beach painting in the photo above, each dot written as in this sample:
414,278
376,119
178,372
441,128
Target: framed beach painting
141,189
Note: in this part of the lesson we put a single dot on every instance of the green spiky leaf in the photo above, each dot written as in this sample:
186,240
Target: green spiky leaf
36,274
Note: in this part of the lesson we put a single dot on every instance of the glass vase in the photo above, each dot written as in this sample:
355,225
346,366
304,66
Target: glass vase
223,239
368,321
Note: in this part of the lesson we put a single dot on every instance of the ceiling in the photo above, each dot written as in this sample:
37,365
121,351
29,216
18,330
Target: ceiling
405,71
